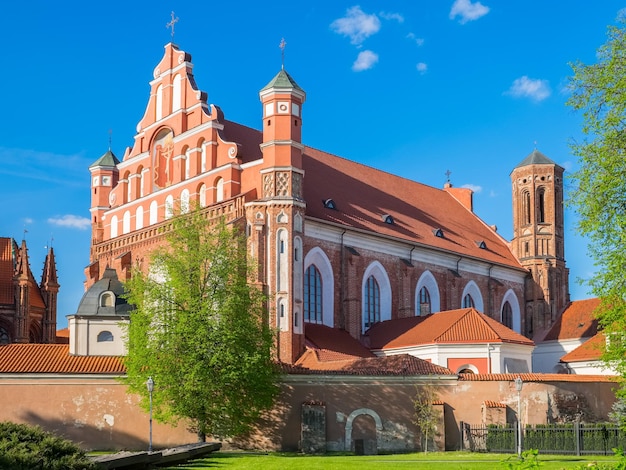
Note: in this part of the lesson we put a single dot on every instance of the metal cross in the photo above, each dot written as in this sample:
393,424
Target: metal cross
282,45
448,173
172,23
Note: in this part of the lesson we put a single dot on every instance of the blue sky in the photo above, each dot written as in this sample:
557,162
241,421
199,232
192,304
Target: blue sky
412,87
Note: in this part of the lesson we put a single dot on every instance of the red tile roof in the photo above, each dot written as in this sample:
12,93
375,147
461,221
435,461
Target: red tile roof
578,321
54,359
590,350
400,365
493,404
532,377
463,326
333,344
363,195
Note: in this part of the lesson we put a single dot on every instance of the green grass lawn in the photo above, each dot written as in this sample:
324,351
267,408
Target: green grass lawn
431,460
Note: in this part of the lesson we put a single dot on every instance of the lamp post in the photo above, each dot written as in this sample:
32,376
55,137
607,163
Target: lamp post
150,385
518,387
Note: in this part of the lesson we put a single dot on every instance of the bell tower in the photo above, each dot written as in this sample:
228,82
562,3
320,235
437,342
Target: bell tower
538,239
277,217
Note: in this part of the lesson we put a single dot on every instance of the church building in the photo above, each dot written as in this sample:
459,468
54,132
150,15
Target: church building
337,244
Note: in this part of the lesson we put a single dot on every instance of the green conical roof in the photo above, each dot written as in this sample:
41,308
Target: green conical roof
282,80
535,158
108,159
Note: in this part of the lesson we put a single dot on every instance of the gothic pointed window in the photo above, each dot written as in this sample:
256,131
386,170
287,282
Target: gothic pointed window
507,315
313,295
468,301
425,306
4,336
541,213
526,207
372,302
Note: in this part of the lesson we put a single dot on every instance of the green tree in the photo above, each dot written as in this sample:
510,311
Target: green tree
425,416
599,194
199,329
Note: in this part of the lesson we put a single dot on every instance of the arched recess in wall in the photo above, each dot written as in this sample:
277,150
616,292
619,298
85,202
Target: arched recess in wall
317,257
142,180
282,315
282,265
169,206
377,271
139,218
297,284
126,222
472,289
154,212
177,93
467,369
511,298
428,281
158,114
219,189
114,226
202,195
353,416
184,201
127,195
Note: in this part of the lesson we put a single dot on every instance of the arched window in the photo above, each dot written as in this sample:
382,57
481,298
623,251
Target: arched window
159,103
426,281
107,299
424,302
317,259
4,336
372,302
105,336
313,295
114,226
154,212
184,201
541,213
142,180
169,207
507,315
219,190
203,196
139,218
176,93
471,297
526,207
126,222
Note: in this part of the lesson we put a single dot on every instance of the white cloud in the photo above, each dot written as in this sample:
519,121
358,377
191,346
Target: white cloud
535,89
392,16
422,67
418,41
28,220
356,25
473,187
365,60
467,10
71,221
492,193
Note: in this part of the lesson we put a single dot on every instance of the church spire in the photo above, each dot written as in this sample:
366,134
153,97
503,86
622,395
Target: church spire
49,289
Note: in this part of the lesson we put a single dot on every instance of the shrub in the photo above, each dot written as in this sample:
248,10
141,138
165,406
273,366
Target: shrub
25,447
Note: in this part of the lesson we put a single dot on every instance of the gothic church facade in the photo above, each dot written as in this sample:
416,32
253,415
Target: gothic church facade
336,243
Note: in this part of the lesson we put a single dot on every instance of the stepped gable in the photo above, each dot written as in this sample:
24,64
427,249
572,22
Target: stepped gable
463,326
590,350
578,321
54,359
363,195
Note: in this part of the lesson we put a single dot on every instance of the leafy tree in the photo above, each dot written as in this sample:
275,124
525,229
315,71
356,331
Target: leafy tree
599,197
199,330
425,416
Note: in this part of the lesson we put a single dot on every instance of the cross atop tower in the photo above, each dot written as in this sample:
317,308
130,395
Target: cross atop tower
282,46
448,173
172,23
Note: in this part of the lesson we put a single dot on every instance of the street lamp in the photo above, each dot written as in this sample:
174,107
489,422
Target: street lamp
150,385
518,387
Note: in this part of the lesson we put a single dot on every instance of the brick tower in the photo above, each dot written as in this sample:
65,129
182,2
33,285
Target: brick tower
538,234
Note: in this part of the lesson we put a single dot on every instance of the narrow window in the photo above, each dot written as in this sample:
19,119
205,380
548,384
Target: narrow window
313,295
507,315
4,336
526,207
541,209
372,302
424,302
468,301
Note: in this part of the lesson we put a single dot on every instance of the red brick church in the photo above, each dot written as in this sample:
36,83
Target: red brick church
337,243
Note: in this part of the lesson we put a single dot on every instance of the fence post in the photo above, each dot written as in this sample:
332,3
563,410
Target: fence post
462,432
577,433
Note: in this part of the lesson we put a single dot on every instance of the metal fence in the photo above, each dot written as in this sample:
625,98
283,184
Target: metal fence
573,439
